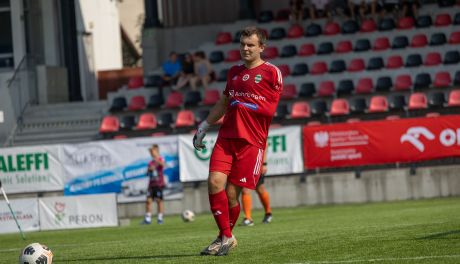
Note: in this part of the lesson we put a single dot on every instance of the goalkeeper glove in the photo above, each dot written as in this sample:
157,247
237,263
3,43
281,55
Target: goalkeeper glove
199,135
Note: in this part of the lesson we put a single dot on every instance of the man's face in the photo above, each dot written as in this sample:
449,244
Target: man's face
154,152
250,48
173,57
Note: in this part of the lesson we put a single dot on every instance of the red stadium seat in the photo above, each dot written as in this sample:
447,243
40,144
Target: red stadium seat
406,23
233,55
365,86
344,46
332,28
289,92
137,103
147,121
211,97
174,100
454,38
307,49
185,118
295,31
417,101
394,62
419,40
443,20
300,110
326,88
378,104
433,59
368,25
223,38
403,82
339,107
270,53
285,70
120,137
356,65
319,67
109,124
454,98
136,82
381,43
442,79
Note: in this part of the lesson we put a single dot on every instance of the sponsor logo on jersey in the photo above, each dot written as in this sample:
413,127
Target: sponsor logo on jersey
258,78
248,105
245,77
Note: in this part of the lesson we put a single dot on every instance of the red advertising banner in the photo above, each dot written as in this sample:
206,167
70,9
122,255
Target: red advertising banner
378,142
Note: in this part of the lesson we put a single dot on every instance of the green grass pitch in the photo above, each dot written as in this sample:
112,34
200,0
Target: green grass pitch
423,231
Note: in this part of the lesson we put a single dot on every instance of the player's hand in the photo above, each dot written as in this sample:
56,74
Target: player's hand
199,136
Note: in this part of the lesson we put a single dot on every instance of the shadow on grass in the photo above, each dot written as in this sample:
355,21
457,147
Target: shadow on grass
126,258
441,235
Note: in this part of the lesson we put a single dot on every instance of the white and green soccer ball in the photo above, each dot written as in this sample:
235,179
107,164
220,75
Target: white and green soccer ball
188,216
36,253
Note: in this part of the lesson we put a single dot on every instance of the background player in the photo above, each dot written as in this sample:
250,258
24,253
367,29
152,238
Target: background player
250,99
156,185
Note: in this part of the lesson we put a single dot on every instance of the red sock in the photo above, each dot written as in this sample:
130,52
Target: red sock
219,208
234,213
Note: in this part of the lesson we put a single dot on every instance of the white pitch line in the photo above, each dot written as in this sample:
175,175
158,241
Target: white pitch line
377,259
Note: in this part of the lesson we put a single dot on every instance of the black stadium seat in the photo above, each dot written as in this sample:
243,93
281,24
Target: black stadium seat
216,56
165,120
237,37
446,3
300,69
350,27
192,98
345,87
277,33
319,108
325,48
397,102
424,21
457,19
313,30
265,16
118,104
288,51
400,42
386,24
281,112
222,75
362,45
155,101
127,122
153,81
307,90
337,66
438,39
436,100
452,57
384,84
358,105
375,63
457,78
414,60
422,81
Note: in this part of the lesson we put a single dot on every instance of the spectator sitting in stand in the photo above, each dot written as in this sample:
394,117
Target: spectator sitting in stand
362,7
187,72
391,7
318,8
413,5
296,11
203,71
172,69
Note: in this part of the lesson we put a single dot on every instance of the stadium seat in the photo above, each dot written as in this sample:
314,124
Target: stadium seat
433,59
457,19
192,98
319,67
277,33
153,81
300,69
201,115
457,78
339,107
384,84
281,112
417,101
452,57
307,50
155,101
442,79
318,108
442,20
422,81
394,62
344,46
378,104
358,105
223,38
265,16
350,27
120,137
331,28
285,70
307,90
362,45
436,100
386,24
165,120
289,92
216,56
109,124
356,65
325,48
185,118
403,82
375,63
419,40
300,110
136,82
326,88
288,51
337,66
454,98
424,21
313,30
211,97
446,3
345,87
137,103
414,60
283,15
233,55
438,39
406,23
127,122
400,42
454,37
397,102
295,31
147,121
237,37
222,77
174,100
365,86
270,53
368,25
118,104
381,43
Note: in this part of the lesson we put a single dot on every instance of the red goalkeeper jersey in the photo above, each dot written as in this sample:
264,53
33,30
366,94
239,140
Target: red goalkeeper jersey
253,97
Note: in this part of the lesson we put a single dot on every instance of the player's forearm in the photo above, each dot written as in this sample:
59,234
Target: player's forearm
217,111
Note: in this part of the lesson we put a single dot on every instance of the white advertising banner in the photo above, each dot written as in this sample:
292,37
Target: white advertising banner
26,211
284,154
79,211
31,169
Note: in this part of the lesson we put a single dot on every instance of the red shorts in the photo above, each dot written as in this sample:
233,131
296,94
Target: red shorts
239,160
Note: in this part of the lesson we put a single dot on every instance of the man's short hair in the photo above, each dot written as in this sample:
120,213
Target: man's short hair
154,146
249,31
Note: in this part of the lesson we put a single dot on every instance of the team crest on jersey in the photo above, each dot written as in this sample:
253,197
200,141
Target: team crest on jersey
258,78
245,77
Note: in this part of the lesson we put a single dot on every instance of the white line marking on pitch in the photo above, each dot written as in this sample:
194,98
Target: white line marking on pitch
378,259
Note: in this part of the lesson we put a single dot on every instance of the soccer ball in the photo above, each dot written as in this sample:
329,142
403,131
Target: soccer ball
36,253
188,216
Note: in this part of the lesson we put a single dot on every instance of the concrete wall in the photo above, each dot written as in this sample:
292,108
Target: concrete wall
6,106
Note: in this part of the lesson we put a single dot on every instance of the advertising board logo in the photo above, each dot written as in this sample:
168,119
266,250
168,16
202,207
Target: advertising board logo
59,215
89,157
413,136
321,139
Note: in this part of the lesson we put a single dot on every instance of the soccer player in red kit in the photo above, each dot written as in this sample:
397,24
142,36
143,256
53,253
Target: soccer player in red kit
249,103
